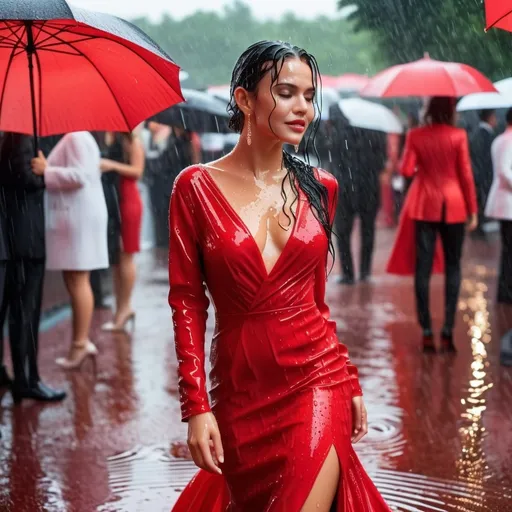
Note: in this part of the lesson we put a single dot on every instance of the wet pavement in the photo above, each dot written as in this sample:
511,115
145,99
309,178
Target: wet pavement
440,426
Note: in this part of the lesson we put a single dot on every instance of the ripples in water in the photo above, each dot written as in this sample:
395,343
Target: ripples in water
150,479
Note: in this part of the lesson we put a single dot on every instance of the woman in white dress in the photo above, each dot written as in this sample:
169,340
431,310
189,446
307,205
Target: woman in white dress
499,206
76,230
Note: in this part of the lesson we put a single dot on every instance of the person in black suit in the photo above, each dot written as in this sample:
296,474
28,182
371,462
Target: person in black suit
23,260
480,146
358,161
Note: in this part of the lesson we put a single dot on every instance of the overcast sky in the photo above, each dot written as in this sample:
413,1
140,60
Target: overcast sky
180,8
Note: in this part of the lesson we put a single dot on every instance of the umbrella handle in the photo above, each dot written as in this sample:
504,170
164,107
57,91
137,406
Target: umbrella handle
31,50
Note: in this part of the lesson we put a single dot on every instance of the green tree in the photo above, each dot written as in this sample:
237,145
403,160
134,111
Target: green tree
207,44
447,29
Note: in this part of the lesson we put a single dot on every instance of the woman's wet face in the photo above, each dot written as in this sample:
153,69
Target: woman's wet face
283,109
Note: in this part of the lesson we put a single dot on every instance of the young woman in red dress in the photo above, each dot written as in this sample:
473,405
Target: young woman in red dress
254,227
130,206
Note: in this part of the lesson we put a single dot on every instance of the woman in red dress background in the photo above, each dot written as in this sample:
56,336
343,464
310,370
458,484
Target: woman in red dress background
130,206
441,200
254,228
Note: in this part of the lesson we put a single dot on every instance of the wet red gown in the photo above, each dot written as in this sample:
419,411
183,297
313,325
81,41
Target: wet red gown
281,383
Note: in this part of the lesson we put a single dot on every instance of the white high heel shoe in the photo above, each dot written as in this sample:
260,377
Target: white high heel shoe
123,327
82,353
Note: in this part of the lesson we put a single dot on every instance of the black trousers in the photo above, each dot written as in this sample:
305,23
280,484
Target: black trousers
505,276
23,299
452,238
344,226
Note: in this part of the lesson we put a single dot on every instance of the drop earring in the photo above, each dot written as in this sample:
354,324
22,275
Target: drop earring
296,147
249,134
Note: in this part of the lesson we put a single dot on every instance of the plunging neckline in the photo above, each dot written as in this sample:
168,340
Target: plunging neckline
242,223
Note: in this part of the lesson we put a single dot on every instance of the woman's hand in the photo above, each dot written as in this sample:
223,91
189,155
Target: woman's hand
359,419
39,164
473,222
204,442
107,165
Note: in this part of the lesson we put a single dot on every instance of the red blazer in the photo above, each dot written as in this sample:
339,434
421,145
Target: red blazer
438,157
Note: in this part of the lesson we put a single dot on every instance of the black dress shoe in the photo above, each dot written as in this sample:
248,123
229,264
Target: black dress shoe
5,380
447,344
429,346
38,391
345,280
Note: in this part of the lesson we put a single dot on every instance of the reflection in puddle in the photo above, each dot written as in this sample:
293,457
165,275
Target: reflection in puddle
150,479
472,462
146,479
409,492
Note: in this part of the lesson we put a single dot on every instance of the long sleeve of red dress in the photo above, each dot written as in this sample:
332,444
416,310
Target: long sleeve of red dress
189,303
320,280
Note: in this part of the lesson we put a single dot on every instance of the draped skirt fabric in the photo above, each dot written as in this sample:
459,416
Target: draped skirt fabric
276,467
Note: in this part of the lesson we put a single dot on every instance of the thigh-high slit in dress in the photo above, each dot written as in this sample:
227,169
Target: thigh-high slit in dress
281,382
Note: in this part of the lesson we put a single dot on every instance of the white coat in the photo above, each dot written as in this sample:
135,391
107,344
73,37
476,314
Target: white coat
499,201
76,212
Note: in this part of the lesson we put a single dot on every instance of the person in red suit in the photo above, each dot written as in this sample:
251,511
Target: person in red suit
130,170
440,201
254,228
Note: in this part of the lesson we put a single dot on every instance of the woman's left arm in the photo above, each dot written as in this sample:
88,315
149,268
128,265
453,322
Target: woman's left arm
132,170
66,168
359,414
320,280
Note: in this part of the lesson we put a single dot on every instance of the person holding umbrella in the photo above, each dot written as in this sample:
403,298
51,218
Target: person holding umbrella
22,209
440,201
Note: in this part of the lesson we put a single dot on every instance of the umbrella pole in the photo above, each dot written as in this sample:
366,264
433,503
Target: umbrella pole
31,49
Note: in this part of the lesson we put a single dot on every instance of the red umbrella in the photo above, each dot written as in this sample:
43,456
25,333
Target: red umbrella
64,69
498,13
427,77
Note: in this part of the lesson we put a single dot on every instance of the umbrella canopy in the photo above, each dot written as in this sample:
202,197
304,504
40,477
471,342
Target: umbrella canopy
484,100
369,115
498,13
428,77
488,100
201,113
345,82
64,69
504,86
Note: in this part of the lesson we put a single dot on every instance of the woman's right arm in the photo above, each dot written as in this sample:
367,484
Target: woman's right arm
188,300
189,303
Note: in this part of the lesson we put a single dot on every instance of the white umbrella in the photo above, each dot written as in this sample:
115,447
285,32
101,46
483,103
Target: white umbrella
484,100
372,116
504,86
488,100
